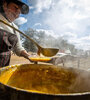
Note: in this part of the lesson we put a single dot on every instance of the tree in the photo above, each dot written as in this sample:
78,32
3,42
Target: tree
36,36
28,45
45,40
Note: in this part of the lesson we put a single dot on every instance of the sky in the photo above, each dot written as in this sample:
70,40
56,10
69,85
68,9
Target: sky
67,18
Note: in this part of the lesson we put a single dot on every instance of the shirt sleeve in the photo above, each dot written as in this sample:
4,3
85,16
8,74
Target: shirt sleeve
18,48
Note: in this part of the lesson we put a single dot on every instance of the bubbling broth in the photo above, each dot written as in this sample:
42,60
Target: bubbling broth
43,79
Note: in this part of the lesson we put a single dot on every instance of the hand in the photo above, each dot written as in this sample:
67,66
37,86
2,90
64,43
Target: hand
31,60
26,55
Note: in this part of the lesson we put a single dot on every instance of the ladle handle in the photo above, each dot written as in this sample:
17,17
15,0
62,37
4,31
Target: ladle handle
21,33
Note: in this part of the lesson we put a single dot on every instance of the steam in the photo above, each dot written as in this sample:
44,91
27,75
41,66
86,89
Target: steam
81,84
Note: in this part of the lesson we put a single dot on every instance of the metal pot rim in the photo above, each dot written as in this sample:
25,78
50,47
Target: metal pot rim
19,89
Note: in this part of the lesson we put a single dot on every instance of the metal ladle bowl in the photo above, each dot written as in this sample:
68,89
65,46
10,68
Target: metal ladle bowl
45,51
48,51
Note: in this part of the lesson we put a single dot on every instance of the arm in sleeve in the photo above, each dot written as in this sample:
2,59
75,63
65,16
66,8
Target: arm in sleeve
18,48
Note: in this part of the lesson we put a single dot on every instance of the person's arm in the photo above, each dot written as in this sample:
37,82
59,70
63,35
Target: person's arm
19,50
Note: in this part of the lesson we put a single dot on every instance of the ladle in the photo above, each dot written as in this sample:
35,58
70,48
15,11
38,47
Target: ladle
45,51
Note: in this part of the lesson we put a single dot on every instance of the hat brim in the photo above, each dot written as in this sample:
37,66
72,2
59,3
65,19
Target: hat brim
24,7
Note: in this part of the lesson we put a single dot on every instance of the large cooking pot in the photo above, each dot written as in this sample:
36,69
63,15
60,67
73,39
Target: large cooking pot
45,82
